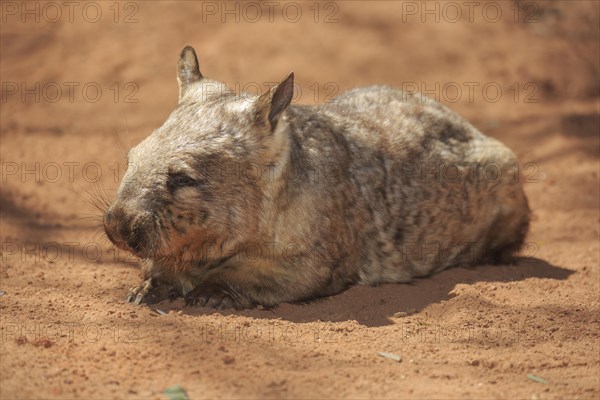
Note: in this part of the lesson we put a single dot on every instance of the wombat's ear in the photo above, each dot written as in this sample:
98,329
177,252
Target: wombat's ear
188,70
273,103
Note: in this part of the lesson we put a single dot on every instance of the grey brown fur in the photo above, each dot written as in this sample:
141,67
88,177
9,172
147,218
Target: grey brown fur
239,200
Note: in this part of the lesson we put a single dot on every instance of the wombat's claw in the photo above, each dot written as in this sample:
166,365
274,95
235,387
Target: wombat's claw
139,294
209,297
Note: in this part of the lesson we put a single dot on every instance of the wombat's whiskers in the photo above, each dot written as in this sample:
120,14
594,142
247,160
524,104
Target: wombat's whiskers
98,198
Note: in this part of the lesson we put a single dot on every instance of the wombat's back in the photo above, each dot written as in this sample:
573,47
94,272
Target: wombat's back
435,191
413,122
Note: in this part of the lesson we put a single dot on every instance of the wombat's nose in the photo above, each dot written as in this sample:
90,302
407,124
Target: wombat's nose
115,226
124,229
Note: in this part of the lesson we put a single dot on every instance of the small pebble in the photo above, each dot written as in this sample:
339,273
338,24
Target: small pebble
391,356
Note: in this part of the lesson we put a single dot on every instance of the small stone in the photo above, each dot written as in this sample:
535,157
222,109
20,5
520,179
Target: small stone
228,360
391,356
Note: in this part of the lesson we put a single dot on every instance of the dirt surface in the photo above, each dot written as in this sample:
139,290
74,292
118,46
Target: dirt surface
77,93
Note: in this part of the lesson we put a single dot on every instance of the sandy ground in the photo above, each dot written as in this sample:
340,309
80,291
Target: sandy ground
82,85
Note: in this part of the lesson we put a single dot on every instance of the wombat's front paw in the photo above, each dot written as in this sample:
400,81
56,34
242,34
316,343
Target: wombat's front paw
214,296
151,292
139,294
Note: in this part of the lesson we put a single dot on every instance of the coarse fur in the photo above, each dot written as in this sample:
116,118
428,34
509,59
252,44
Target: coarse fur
240,200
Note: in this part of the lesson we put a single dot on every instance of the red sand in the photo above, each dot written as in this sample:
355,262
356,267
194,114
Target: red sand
474,333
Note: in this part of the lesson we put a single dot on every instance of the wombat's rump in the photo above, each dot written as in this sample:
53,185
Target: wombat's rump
239,200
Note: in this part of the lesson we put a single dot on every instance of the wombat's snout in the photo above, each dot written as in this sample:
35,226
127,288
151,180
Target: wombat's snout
122,229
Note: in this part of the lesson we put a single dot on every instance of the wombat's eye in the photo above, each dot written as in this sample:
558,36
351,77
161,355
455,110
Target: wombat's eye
179,180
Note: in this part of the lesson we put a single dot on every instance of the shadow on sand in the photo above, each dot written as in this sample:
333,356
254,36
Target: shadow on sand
374,306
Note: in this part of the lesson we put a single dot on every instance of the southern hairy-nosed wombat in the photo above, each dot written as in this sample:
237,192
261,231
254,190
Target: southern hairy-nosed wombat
239,200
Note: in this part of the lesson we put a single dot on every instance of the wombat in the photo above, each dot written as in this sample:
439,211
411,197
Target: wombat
240,200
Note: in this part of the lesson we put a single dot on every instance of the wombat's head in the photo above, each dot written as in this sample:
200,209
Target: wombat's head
194,187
